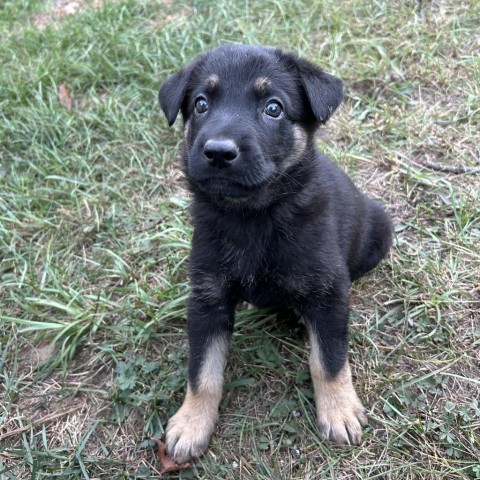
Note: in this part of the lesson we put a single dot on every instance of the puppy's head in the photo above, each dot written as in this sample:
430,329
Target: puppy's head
249,115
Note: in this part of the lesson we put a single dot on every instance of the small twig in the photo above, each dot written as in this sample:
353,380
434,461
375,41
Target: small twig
443,167
46,419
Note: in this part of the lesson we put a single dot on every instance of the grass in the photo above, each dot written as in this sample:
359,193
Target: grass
94,240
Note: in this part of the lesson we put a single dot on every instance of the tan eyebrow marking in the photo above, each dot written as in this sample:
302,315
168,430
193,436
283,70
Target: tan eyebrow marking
261,84
213,81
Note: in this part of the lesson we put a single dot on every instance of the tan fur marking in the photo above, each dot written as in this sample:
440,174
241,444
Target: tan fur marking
186,129
261,84
340,413
189,430
213,81
299,146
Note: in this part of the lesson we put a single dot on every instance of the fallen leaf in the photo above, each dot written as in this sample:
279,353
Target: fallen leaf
166,463
64,96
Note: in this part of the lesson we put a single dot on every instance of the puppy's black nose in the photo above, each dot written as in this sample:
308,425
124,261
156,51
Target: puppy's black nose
220,153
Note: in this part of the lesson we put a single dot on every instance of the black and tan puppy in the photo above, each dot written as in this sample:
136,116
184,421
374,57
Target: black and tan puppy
277,224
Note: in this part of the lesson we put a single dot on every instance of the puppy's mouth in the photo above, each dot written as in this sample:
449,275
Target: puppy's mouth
227,188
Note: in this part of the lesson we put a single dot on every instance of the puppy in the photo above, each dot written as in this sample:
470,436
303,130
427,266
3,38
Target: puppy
276,224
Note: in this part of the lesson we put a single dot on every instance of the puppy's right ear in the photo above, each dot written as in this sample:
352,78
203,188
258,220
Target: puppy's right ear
172,93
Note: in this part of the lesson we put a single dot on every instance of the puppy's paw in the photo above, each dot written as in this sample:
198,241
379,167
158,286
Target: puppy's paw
341,416
188,433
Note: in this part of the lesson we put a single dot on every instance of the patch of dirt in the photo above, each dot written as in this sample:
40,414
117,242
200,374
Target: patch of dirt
37,354
176,18
71,410
63,8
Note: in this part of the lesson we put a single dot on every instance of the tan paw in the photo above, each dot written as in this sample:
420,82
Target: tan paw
188,433
341,417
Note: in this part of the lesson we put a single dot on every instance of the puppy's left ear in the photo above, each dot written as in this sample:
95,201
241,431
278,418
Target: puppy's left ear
172,93
324,91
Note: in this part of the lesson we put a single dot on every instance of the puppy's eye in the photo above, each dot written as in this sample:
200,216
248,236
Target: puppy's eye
201,105
273,109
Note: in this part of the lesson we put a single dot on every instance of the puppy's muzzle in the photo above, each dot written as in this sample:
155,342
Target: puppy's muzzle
220,153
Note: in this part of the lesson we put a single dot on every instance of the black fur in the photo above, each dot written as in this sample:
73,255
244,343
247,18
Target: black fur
276,223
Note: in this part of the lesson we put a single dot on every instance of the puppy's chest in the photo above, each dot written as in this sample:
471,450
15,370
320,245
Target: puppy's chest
245,259
249,256
265,272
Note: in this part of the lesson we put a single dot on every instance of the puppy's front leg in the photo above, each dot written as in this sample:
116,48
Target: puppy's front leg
340,414
209,331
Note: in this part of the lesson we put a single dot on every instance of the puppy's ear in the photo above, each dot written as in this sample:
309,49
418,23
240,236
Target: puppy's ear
324,91
172,93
